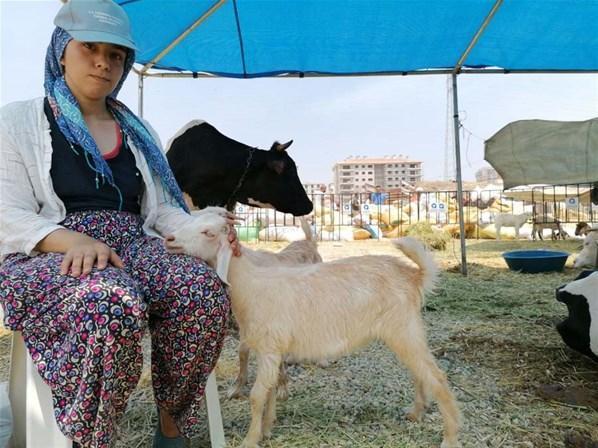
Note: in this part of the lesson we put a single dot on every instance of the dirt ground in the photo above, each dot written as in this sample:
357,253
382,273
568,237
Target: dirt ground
492,332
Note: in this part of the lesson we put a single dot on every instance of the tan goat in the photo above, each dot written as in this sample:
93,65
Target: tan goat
281,311
556,229
297,252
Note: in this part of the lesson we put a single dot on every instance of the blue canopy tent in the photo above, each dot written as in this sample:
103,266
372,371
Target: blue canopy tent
265,38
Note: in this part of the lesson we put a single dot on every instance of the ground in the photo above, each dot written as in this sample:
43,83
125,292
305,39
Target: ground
493,334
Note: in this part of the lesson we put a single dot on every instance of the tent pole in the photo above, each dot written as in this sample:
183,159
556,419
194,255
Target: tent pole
456,70
140,94
459,179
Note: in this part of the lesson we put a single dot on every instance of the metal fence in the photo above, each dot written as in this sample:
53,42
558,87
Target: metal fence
335,215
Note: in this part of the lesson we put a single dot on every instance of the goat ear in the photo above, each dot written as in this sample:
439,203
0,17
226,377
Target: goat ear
277,165
222,261
281,146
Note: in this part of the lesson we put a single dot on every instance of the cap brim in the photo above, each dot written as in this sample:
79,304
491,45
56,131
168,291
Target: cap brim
101,36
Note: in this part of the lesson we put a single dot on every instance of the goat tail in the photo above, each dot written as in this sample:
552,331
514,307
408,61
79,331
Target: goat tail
416,252
306,228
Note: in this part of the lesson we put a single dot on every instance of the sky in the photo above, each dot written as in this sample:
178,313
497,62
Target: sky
329,119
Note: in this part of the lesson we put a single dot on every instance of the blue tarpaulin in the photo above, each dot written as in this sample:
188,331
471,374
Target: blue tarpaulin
260,38
254,38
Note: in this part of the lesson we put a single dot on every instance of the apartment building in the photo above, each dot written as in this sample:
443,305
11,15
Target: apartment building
318,188
487,175
361,174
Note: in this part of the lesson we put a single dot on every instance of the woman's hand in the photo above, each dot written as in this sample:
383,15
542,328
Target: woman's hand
234,241
86,254
81,252
231,220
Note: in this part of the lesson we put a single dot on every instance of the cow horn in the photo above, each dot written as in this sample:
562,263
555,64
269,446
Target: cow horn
281,146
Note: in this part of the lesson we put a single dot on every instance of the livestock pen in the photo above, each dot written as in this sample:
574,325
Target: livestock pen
493,333
348,216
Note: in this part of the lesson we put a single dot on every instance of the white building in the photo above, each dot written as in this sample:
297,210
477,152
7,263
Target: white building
316,188
362,174
487,175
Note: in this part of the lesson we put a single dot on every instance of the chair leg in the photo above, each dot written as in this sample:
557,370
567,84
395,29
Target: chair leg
217,438
17,391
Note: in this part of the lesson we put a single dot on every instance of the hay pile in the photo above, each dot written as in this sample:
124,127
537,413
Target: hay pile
493,333
433,238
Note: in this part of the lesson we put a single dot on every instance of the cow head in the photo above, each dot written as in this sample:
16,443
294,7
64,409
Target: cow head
275,183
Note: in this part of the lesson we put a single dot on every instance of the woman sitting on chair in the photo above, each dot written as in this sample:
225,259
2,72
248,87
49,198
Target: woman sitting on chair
86,200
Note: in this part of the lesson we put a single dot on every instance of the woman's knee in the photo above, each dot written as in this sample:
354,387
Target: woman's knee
200,292
111,302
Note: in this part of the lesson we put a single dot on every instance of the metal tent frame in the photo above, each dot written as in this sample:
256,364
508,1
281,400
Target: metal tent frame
457,69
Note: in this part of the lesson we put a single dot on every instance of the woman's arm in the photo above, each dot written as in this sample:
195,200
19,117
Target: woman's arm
21,226
22,229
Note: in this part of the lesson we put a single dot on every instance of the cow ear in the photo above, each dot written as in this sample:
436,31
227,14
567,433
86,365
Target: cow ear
277,165
281,146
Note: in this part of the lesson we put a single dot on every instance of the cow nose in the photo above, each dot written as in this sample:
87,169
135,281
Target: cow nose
305,209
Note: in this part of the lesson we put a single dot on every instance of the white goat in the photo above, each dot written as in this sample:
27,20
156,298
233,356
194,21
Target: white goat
510,220
589,251
297,252
325,310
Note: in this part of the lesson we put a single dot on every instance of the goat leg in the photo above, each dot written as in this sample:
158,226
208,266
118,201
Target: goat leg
415,412
283,383
267,376
270,413
236,390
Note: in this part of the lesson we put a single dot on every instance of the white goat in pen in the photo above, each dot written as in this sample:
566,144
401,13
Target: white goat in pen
325,310
298,252
510,220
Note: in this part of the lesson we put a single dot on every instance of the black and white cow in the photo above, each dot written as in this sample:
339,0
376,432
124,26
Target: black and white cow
580,330
214,169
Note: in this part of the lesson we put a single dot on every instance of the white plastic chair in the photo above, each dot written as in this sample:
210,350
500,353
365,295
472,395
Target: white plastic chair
34,425
33,420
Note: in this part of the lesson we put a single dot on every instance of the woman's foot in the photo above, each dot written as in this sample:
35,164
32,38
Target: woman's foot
167,425
167,434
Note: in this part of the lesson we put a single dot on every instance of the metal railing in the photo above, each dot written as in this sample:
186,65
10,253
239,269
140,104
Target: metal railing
335,215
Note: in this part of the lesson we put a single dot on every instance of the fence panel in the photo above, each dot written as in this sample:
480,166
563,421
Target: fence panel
355,216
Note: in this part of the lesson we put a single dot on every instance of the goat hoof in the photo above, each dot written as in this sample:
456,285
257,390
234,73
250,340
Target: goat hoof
235,393
246,444
412,415
453,444
282,394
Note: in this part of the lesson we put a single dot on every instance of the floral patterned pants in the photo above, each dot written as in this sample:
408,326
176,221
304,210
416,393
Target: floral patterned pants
84,334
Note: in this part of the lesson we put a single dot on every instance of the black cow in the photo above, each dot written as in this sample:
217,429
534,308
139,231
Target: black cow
214,169
580,329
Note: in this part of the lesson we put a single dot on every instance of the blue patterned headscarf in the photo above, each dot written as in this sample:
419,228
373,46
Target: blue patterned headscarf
68,116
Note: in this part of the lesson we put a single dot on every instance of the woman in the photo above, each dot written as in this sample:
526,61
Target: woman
86,197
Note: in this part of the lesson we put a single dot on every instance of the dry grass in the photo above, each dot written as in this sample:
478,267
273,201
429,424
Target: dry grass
492,332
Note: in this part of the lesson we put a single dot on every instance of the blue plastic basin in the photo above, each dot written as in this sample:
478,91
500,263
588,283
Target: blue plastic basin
533,261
